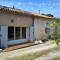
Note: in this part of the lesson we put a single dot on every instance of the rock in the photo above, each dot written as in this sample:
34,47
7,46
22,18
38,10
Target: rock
1,50
40,41
37,42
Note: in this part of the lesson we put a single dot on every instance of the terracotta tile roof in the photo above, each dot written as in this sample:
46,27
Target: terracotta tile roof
40,15
4,9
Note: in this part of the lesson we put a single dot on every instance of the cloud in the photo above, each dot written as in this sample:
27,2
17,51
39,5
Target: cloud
9,4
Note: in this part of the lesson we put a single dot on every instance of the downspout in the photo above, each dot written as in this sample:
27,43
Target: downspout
33,27
29,34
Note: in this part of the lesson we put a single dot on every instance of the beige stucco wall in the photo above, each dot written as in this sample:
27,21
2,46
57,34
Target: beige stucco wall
39,27
5,19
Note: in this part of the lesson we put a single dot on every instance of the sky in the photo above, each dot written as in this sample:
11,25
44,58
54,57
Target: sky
45,6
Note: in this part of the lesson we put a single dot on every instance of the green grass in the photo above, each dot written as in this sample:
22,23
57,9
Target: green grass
32,56
55,58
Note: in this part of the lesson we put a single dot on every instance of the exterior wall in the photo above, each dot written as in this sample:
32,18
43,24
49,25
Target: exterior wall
5,19
4,38
31,34
20,21
36,31
39,27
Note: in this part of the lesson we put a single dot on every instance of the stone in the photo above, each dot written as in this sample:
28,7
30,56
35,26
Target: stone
1,50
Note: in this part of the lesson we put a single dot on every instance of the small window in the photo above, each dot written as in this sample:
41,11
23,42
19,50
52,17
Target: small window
23,32
17,32
10,33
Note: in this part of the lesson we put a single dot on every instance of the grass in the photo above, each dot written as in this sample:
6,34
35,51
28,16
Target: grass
56,58
32,56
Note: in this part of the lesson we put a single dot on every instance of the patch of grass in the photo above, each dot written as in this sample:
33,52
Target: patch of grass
55,58
32,56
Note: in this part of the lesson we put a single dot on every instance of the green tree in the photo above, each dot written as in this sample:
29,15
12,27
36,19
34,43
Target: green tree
56,34
50,15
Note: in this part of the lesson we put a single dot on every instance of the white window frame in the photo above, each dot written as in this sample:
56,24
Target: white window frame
15,33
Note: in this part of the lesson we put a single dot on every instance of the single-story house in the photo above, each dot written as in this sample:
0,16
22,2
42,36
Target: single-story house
18,26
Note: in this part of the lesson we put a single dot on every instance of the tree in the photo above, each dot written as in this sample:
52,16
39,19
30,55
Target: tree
56,34
50,15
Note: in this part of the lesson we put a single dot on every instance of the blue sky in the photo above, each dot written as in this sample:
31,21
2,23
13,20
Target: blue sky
45,6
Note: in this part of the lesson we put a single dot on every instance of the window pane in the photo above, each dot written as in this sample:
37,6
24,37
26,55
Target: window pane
10,33
23,32
17,32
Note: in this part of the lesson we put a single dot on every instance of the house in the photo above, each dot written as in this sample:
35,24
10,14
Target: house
18,26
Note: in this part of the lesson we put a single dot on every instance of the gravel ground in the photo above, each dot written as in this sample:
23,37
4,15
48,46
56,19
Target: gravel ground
49,56
32,49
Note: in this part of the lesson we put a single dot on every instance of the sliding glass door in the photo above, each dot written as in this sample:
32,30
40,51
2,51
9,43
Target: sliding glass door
16,33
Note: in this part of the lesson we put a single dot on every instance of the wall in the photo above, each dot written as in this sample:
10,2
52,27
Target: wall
4,36
39,27
21,21
5,19
31,33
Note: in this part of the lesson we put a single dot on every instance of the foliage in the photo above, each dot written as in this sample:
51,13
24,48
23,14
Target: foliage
50,15
56,34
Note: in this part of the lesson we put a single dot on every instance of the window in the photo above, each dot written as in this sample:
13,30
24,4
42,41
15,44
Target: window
17,32
10,33
14,33
23,32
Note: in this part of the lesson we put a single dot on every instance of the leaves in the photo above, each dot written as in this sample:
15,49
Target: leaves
56,34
